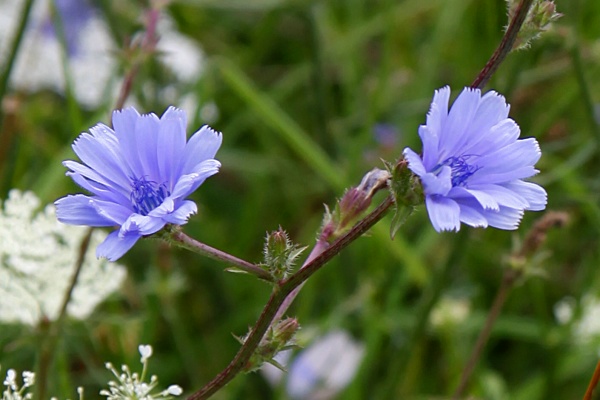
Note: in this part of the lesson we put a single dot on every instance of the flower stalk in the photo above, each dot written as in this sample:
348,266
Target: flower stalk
177,237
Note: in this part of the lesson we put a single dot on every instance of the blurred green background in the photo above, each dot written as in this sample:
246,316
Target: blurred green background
310,96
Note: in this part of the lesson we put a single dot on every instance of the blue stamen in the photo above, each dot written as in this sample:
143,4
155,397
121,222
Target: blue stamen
460,169
147,195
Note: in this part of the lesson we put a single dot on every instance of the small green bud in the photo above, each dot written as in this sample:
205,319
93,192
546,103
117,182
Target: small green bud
280,337
280,254
352,205
541,14
407,191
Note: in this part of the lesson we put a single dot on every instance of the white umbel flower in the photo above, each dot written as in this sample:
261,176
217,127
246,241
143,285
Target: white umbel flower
133,386
12,390
37,259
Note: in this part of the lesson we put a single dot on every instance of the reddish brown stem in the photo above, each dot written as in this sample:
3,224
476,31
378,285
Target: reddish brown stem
278,296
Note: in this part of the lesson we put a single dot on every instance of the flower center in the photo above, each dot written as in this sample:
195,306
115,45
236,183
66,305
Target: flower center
461,170
147,195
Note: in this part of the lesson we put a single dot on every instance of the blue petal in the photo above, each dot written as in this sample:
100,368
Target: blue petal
92,175
485,199
167,207
114,246
430,147
78,210
472,217
502,196
203,145
492,110
443,213
505,218
205,169
181,215
455,132
500,135
438,112
171,142
439,184
147,225
146,131
414,162
521,153
124,122
481,177
100,151
98,189
111,211
534,194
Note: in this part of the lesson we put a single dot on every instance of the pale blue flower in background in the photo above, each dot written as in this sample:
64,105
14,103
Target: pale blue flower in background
140,174
322,370
473,163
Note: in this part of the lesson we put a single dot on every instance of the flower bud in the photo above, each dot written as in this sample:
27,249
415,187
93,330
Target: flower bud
280,337
280,254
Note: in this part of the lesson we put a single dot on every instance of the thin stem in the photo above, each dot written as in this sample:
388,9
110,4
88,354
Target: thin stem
182,240
505,46
593,383
51,338
278,296
508,280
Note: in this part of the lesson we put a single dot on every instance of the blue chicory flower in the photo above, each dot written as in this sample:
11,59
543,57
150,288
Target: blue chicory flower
140,174
473,163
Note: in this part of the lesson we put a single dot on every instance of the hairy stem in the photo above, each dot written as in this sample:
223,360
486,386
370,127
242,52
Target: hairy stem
182,240
505,46
278,296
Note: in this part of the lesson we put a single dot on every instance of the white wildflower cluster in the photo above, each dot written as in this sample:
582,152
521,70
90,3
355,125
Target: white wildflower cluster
132,386
12,390
37,260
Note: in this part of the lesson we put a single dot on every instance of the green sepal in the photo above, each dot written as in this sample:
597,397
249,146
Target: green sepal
406,190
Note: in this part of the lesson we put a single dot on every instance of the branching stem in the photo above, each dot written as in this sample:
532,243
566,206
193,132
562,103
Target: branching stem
278,296
182,240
